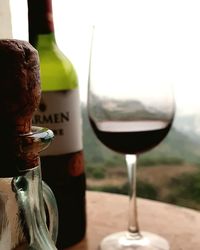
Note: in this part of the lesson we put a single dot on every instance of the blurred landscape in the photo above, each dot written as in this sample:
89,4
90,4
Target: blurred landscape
169,173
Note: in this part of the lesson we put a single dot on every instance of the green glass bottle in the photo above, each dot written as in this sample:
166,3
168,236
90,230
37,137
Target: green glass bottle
63,162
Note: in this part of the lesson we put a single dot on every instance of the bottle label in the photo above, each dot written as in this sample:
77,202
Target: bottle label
60,112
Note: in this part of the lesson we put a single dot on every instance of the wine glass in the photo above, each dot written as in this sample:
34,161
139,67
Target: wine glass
131,110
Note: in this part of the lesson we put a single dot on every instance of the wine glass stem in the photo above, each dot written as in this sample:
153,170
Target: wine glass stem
131,162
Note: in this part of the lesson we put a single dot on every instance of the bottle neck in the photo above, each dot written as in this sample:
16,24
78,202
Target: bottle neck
41,25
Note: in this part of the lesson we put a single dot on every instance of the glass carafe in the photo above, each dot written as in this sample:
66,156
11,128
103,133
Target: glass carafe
28,210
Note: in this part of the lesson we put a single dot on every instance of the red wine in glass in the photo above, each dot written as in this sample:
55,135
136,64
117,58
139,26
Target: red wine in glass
131,137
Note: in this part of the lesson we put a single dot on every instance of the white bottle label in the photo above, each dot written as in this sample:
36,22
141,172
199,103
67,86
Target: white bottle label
60,112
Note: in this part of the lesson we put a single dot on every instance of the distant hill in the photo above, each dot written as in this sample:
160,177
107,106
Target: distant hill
189,125
178,147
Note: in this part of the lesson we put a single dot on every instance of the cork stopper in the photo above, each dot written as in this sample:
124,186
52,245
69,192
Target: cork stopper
19,85
20,94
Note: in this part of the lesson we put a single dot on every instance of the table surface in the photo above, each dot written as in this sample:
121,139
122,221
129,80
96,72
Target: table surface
108,213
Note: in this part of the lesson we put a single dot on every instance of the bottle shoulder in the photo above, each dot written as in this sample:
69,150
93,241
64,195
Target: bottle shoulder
57,71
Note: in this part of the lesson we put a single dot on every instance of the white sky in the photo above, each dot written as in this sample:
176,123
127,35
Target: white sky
166,34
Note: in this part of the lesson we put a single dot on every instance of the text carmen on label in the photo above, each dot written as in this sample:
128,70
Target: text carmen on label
51,118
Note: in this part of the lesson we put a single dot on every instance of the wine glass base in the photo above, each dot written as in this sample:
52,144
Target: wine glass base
132,241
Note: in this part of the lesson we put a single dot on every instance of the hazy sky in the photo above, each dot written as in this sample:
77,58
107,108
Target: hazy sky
166,36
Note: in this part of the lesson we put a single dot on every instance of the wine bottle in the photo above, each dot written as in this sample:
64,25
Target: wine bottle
63,162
